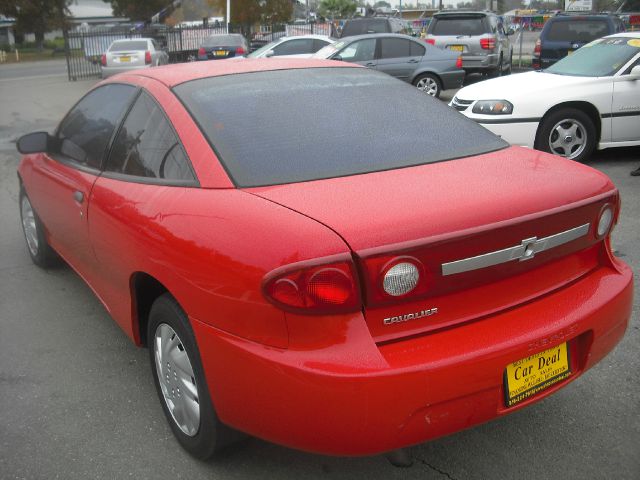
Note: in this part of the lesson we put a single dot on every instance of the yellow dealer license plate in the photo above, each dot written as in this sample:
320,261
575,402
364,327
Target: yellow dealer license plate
125,59
457,48
220,53
533,374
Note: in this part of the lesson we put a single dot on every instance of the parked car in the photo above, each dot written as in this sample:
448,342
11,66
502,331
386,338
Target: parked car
221,46
361,26
321,256
584,101
565,33
259,40
132,54
480,37
428,68
299,46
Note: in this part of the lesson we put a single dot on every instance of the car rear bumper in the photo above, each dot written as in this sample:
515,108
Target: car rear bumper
358,398
480,63
107,72
452,79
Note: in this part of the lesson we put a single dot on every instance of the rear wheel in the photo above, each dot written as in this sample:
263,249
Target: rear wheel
39,250
180,381
568,132
428,84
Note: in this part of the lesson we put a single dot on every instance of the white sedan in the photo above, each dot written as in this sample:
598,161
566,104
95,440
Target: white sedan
590,99
301,46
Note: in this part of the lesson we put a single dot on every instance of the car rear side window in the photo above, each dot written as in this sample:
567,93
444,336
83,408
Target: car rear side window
394,48
294,47
458,26
417,50
327,122
360,51
127,46
577,30
86,130
147,146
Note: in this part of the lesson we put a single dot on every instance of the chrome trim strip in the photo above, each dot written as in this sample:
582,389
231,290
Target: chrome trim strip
527,249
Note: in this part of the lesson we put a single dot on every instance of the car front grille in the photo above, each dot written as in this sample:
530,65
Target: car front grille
460,105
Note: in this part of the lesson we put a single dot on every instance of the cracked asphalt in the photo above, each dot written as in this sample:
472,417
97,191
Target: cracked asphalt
78,401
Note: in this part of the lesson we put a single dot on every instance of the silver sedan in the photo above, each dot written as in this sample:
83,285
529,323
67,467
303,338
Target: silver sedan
131,54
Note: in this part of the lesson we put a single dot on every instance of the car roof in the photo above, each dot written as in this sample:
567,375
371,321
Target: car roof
377,35
462,13
563,17
315,37
625,34
135,39
172,75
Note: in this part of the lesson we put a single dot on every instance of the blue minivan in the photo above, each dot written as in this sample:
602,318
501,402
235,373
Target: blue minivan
567,32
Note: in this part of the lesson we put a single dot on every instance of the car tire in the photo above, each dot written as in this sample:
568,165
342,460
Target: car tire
429,84
510,67
175,363
567,132
39,249
498,72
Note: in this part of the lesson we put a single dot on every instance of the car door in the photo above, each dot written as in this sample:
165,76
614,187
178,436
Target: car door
61,180
625,107
362,52
396,57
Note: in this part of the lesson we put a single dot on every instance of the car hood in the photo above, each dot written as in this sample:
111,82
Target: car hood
521,86
382,209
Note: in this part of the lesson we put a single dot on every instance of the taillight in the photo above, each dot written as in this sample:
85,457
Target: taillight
202,52
103,60
392,277
240,51
537,50
459,62
147,57
431,41
314,288
488,43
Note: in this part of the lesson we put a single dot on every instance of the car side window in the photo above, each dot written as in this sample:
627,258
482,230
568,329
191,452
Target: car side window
360,51
294,47
147,146
417,50
394,48
88,127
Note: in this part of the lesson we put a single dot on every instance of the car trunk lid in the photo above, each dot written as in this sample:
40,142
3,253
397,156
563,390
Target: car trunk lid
445,212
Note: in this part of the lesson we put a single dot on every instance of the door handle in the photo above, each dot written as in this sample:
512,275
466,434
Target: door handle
413,60
369,64
78,196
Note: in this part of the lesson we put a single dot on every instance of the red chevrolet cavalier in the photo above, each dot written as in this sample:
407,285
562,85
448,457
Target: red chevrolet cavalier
322,256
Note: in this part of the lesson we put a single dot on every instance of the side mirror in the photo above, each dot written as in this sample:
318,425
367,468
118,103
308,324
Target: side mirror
635,73
337,57
36,142
269,54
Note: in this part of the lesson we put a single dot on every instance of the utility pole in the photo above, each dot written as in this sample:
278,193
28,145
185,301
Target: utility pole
228,14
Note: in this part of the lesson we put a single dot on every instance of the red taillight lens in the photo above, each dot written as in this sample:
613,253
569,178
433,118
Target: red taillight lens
202,52
459,62
314,288
488,43
431,41
103,60
537,50
147,57
240,51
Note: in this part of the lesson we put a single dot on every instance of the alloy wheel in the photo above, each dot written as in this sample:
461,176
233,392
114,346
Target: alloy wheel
29,225
428,85
568,138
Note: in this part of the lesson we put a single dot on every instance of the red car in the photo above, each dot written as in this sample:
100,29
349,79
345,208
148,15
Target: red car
319,255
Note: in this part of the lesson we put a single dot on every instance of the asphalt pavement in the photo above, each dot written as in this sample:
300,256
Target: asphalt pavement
78,400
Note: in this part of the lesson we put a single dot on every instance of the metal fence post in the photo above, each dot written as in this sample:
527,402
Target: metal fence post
67,50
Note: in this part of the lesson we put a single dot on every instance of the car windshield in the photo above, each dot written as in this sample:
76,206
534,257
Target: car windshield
261,50
575,30
297,125
600,58
128,46
222,40
456,25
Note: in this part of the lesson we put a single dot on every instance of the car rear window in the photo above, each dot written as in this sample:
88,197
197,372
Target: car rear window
360,27
577,30
326,122
129,45
223,40
458,26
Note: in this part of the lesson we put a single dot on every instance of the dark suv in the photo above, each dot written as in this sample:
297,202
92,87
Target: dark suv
480,37
565,33
362,26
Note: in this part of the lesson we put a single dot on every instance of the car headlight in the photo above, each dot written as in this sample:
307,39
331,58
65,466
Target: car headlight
493,107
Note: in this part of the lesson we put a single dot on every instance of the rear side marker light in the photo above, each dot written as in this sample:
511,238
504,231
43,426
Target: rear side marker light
240,51
430,41
201,52
605,221
537,50
314,288
401,279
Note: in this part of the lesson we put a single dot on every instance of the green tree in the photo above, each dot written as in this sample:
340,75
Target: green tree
277,11
337,8
243,12
36,16
382,4
136,10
